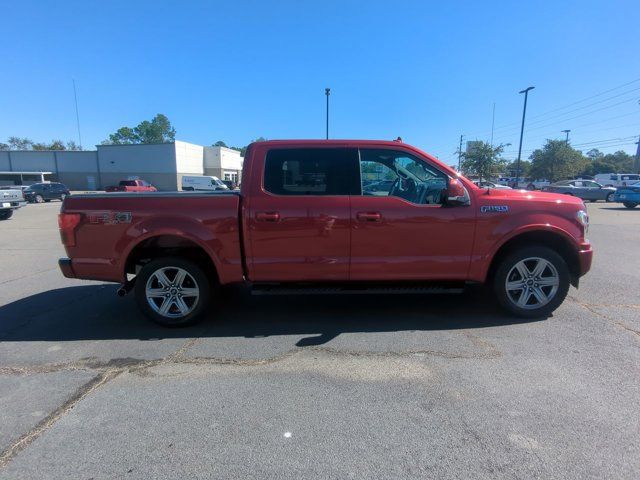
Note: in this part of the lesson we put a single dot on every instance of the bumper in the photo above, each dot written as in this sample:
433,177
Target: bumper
627,197
13,205
66,268
585,257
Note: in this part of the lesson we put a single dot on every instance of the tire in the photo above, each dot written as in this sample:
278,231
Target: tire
6,214
531,186
609,198
195,280
62,197
630,204
554,272
39,199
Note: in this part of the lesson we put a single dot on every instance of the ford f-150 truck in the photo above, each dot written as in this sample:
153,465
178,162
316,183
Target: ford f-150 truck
132,186
303,221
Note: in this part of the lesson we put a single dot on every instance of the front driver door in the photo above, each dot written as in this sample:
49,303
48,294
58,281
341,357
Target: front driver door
405,231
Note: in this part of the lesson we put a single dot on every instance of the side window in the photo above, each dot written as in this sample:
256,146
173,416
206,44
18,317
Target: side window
399,174
310,171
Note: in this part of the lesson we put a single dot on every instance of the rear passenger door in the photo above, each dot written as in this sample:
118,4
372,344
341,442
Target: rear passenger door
298,217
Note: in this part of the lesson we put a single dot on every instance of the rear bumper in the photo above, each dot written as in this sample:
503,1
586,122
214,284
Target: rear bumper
66,268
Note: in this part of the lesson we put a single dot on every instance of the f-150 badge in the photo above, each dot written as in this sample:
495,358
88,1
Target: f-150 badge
494,209
109,218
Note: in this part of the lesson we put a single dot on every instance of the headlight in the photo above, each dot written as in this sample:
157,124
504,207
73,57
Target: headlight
583,219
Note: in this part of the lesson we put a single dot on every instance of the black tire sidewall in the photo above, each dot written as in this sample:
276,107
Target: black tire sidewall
630,204
6,214
198,275
526,252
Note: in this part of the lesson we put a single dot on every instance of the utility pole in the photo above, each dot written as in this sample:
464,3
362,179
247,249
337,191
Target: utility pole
524,113
493,121
460,152
567,132
637,160
75,96
327,92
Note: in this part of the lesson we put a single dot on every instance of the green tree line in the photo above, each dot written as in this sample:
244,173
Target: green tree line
556,160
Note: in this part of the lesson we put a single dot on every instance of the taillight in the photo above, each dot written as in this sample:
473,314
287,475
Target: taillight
67,222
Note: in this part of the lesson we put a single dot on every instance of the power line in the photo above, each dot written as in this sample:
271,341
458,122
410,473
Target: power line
575,103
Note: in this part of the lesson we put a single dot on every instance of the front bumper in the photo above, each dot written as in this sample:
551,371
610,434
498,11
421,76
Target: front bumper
585,258
66,268
627,197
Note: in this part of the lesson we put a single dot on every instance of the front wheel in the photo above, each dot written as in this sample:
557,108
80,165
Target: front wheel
630,204
532,282
39,199
609,198
172,292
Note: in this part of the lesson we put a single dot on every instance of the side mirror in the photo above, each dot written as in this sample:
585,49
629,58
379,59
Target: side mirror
457,195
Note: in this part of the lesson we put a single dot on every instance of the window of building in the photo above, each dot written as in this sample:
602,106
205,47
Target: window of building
399,174
311,171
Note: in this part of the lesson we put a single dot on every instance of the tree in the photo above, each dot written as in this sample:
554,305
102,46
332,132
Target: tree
219,143
17,143
158,130
557,160
483,160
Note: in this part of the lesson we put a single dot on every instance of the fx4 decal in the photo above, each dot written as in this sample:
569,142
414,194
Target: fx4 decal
494,208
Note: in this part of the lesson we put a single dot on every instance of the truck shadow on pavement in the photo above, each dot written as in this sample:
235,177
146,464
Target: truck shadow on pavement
94,312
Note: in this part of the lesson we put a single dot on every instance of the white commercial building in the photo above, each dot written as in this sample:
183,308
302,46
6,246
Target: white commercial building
163,164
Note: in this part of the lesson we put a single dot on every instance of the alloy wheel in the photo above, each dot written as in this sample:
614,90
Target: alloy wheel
172,292
532,283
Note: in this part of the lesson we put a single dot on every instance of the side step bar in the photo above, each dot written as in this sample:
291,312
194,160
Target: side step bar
360,290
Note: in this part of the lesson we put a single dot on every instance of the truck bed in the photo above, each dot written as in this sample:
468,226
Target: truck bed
113,225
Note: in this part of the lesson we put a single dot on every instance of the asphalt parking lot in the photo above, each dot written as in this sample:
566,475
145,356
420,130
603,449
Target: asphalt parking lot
317,387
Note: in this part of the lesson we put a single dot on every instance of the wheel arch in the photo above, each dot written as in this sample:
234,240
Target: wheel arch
547,238
169,245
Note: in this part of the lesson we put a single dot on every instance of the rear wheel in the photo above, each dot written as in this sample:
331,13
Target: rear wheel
5,214
172,292
630,204
532,282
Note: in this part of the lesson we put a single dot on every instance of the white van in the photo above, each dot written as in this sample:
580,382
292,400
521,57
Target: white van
202,183
616,179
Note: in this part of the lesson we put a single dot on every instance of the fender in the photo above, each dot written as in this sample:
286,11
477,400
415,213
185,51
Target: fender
182,227
483,256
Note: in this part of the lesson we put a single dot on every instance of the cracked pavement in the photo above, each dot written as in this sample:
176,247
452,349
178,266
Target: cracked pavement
383,386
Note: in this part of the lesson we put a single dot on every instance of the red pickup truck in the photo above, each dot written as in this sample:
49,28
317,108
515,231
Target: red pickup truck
333,215
132,186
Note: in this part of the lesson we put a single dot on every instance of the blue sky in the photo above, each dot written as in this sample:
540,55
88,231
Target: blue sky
427,71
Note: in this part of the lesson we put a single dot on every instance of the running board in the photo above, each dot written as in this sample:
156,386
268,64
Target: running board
310,290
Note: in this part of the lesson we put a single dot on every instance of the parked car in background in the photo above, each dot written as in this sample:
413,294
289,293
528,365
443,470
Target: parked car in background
629,196
11,199
132,186
231,185
523,183
616,179
45,192
379,188
486,184
202,183
584,189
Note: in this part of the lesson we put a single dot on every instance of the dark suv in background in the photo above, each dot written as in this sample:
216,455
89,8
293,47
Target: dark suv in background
45,192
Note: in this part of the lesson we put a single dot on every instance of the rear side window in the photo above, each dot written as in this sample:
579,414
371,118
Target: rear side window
311,171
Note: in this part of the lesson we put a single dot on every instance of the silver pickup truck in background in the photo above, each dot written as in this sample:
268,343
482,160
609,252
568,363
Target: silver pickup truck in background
11,199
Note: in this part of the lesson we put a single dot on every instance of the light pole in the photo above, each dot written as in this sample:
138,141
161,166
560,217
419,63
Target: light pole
524,112
567,132
327,92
